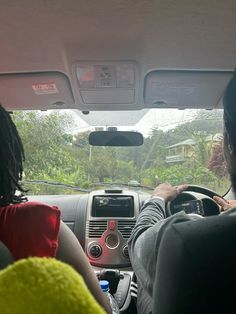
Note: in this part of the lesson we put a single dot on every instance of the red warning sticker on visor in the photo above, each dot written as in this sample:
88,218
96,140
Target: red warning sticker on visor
45,89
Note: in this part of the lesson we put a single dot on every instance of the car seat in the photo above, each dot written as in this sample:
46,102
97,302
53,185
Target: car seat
5,256
196,267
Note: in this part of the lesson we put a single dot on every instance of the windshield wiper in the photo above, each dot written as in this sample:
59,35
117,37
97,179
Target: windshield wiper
72,187
63,185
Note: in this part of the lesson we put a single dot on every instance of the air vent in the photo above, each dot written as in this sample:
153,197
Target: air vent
125,228
96,228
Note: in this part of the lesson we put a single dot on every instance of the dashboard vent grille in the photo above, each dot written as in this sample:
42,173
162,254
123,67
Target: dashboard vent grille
125,227
96,228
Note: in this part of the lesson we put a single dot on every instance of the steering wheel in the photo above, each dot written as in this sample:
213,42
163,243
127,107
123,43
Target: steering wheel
202,190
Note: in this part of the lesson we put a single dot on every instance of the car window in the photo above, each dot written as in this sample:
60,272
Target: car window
180,146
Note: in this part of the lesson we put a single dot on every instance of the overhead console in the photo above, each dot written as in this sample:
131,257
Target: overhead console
103,84
111,216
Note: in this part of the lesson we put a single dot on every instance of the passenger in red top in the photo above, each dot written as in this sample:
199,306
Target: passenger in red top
36,226
32,228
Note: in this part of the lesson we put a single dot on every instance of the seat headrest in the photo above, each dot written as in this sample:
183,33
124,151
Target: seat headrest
196,267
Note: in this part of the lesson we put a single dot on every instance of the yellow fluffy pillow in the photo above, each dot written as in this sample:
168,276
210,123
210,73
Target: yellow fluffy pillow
44,286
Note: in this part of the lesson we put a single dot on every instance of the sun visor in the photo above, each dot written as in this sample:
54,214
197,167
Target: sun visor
185,88
33,91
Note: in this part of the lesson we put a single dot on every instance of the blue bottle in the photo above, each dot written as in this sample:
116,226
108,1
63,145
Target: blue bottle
104,284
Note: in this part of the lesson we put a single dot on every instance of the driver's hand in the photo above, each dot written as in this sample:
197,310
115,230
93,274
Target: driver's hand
168,192
224,204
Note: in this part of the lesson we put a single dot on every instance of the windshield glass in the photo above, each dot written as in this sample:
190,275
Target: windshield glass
180,146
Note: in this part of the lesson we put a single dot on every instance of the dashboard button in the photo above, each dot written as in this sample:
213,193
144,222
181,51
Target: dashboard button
95,250
112,225
126,252
112,241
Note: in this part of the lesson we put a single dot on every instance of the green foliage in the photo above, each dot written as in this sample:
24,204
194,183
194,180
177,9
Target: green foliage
48,147
202,150
177,174
53,154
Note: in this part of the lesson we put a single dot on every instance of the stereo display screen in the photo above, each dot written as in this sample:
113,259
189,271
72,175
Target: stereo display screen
113,206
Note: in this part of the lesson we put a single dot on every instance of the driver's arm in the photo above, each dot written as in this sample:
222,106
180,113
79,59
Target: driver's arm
146,236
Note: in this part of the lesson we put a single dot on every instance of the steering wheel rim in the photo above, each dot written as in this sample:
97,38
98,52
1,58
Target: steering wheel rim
202,190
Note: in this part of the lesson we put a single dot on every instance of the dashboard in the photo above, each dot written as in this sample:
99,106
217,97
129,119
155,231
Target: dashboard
103,220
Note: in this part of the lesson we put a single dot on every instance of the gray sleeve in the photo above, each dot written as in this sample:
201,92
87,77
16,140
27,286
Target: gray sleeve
145,240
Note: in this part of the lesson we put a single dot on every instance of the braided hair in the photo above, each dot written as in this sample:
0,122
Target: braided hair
11,161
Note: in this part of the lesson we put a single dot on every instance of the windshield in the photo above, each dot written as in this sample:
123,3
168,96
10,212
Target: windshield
180,146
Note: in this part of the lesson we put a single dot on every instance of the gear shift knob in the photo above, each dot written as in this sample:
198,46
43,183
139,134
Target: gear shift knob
113,276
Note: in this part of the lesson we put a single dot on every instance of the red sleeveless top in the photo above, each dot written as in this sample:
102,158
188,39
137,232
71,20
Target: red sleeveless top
30,229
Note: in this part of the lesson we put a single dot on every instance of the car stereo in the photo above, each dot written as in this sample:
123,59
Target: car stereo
113,206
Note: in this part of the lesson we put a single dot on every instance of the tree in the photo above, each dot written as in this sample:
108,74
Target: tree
217,163
48,147
125,171
54,154
177,174
202,149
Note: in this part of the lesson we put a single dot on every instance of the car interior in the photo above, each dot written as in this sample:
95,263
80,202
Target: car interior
113,62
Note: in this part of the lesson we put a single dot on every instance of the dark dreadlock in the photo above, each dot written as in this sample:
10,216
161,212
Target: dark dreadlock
11,161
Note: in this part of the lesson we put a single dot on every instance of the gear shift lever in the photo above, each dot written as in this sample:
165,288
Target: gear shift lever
113,276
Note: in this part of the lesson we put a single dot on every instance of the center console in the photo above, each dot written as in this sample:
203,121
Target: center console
111,216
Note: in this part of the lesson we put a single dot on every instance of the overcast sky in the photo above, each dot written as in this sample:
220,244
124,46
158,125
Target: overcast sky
143,121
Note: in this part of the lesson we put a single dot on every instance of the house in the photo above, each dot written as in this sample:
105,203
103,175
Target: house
184,150
181,151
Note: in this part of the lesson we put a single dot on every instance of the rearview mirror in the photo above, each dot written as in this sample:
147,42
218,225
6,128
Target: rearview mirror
115,138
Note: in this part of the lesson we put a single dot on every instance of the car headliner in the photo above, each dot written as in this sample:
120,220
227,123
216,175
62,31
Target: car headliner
49,35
